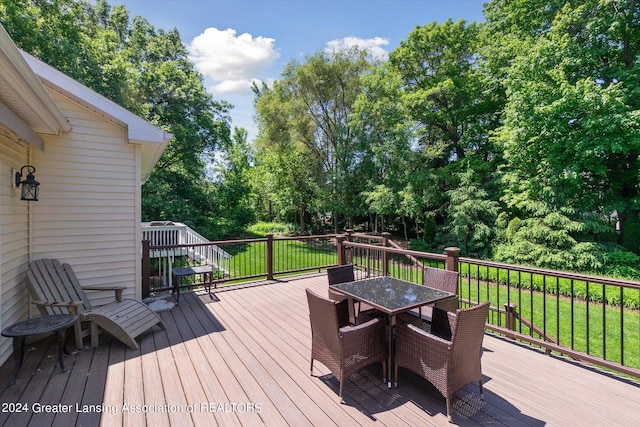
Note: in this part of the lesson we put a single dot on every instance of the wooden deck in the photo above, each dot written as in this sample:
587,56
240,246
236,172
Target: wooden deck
244,360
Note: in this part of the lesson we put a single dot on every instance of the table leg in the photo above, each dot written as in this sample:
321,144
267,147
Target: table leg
67,338
177,281
18,355
60,335
392,321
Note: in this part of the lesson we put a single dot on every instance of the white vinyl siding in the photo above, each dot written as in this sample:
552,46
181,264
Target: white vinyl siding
14,242
88,212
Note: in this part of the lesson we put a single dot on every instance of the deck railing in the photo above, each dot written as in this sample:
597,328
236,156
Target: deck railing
589,318
250,259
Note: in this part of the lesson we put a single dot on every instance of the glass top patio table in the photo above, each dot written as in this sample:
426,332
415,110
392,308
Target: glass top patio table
391,295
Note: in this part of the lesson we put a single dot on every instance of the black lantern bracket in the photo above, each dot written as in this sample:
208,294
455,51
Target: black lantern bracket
29,184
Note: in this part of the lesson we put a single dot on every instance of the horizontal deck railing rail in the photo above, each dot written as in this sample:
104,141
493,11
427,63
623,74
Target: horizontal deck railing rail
589,318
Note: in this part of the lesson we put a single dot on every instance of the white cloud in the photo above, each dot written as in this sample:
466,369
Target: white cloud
237,86
374,45
231,61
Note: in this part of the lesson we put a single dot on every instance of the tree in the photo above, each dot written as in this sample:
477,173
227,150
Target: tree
443,89
571,124
425,116
379,121
382,201
311,105
471,218
232,187
286,175
548,239
144,70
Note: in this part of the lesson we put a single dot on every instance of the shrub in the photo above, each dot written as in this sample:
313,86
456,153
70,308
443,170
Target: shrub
632,234
263,228
420,245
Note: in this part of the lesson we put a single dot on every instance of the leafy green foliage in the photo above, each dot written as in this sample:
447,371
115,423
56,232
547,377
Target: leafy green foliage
262,228
471,219
148,72
517,138
548,240
622,264
303,121
570,133
424,116
632,235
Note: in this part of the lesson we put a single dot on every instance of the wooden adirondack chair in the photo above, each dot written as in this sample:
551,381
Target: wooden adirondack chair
54,289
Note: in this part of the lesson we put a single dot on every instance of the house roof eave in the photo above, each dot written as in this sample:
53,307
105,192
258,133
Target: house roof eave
25,96
152,139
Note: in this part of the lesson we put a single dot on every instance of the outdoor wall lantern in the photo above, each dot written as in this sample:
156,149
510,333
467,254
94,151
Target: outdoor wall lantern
29,185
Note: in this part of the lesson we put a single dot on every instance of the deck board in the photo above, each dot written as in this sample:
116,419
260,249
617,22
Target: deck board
172,386
250,346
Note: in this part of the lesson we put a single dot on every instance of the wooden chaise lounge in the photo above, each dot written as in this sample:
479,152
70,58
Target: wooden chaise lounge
54,289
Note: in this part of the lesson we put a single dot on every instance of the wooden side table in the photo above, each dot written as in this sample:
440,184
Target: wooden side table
180,272
57,323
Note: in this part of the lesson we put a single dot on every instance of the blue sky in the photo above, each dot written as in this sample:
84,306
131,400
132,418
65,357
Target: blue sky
233,42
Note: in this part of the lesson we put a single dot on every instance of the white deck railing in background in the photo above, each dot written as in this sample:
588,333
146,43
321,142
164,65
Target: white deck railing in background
167,233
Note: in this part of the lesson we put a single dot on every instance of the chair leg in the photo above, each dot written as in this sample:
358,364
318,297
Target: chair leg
481,390
94,334
311,370
353,314
395,375
77,330
449,410
384,373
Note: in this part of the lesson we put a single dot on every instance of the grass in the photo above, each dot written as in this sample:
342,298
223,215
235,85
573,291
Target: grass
249,259
630,298
565,320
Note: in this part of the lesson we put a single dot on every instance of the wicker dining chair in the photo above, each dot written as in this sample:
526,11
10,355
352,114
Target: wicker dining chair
340,346
448,356
436,278
344,274
445,280
339,274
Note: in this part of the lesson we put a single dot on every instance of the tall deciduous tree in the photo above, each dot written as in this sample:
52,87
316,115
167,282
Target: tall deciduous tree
287,174
312,102
232,186
443,89
571,135
427,115
381,124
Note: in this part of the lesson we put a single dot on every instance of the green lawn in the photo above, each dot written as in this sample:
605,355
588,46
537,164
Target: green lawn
562,318
249,259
